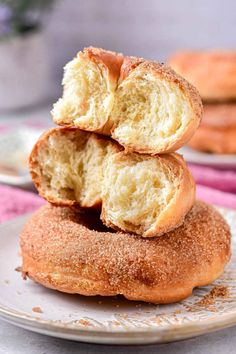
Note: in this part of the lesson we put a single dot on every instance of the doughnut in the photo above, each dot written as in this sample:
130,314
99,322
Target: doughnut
143,194
143,105
217,132
212,72
74,253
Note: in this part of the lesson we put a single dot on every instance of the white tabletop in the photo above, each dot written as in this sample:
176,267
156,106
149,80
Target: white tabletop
14,340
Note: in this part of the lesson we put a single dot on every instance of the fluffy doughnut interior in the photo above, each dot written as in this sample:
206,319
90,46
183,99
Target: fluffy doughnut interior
137,191
87,96
147,109
71,167
150,111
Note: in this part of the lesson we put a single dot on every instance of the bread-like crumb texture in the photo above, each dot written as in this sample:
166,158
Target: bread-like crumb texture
217,132
89,83
66,166
156,111
71,252
212,72
143,105
138,193
146,195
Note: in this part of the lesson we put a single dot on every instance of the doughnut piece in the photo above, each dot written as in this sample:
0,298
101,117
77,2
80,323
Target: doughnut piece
217,132
143,105
212,72
71,252
146,195
90,81
66,166
141,194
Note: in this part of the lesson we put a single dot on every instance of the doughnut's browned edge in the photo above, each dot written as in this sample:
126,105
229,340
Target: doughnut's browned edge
61,250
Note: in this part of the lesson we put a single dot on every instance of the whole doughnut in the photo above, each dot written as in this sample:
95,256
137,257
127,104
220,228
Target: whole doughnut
75,253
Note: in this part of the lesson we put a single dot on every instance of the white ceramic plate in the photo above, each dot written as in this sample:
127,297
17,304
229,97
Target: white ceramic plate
203,158
107,320
15,147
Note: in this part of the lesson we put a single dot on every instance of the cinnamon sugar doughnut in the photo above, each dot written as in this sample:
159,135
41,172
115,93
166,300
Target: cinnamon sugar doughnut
217,132
74,253
212,72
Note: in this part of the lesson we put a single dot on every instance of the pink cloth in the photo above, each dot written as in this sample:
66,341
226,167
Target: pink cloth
214,178
217,197
215,186
15,202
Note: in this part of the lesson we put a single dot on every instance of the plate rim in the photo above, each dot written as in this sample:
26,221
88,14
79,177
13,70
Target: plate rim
191,156
177,331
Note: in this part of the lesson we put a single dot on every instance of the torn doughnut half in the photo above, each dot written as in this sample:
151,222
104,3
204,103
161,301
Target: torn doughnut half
140,194
144,105
67,164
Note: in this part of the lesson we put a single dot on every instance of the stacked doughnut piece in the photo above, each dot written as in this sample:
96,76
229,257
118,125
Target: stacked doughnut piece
113,180
214,74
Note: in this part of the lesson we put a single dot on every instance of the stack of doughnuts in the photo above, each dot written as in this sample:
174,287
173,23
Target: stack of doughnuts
121,216
214,74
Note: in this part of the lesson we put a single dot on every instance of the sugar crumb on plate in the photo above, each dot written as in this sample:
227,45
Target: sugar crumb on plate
37,309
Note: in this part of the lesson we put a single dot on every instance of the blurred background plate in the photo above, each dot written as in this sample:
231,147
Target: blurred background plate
221,161
15,147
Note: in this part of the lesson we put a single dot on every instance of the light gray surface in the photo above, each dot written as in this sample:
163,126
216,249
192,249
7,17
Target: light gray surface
14,340
150,28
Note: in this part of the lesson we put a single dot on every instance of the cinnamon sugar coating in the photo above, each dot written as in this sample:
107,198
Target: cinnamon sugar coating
75,253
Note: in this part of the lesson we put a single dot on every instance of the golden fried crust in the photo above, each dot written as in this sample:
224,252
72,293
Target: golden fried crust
213,73
129,64
61,250
111,60
217,132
